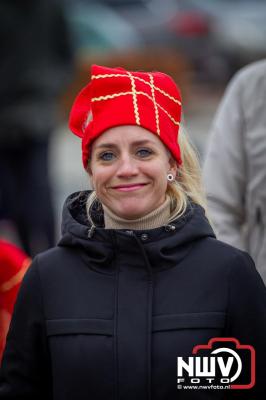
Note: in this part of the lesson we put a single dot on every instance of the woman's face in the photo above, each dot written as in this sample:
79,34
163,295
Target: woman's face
128,170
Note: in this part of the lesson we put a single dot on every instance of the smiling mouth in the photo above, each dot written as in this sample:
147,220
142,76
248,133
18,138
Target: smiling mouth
130,187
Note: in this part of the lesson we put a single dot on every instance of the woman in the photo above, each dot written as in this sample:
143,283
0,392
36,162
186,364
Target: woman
138,278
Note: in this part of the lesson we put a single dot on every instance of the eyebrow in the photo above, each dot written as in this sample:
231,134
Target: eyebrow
137,143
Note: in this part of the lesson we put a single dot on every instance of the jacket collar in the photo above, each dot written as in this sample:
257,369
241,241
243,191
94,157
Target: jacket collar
165,246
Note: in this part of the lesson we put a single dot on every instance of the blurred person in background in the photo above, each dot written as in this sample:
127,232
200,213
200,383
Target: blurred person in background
235,164
13,265
35,65
138,277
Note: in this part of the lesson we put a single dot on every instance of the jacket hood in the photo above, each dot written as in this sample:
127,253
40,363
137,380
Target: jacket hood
164,246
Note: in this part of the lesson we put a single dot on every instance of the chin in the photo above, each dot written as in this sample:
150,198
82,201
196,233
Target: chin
131,212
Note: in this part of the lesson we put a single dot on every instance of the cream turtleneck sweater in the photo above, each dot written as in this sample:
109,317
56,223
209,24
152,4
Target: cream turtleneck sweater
154,219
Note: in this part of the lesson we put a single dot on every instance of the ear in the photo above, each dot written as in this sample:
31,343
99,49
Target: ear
173,166
89,170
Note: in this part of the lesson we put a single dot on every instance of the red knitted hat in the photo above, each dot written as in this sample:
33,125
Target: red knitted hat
116,97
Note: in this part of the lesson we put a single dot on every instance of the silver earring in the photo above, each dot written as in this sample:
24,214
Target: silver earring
170,177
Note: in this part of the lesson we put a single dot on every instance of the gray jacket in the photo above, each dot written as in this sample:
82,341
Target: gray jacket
235,164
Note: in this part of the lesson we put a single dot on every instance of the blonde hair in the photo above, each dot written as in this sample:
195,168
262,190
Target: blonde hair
187,185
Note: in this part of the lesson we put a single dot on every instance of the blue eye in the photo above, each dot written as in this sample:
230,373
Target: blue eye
107,156
144,152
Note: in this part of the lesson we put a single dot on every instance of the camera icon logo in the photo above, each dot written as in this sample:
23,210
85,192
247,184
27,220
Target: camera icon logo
223,363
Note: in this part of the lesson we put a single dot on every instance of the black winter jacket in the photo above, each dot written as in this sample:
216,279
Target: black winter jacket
105,314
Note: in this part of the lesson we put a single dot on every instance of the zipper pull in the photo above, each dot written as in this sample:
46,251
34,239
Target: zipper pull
91,231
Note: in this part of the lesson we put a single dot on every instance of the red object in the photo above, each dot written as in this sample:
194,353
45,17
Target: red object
116,97
13,265
190,24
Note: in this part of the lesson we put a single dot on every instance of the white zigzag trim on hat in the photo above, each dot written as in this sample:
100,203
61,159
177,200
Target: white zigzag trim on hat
112,96
135,101
158,105
155,105
101,76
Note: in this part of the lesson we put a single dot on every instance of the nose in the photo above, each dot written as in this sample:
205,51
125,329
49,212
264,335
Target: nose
128,167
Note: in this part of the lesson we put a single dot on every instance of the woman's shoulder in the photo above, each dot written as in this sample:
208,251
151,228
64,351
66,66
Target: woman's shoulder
220,247
226,256
55,260
223,250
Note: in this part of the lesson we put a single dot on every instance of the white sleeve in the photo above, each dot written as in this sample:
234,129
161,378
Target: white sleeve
224,168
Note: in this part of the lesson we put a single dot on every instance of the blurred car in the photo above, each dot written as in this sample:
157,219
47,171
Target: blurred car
236,29
177,25
96,27
218,36
103,35
240,26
